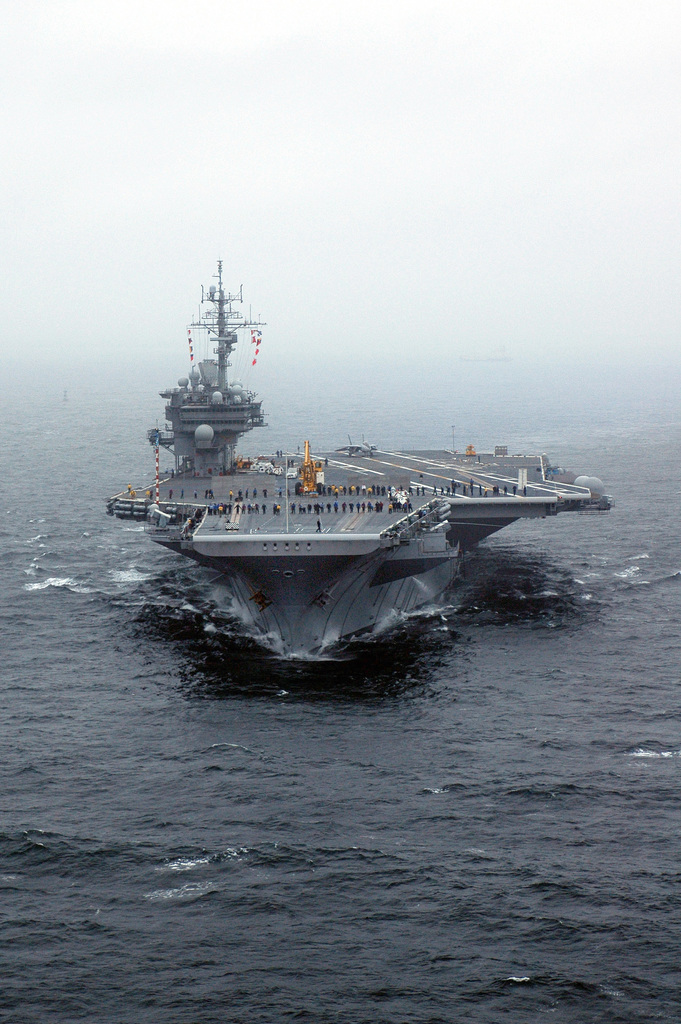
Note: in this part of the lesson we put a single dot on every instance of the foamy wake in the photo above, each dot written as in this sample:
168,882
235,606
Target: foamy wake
640,752
131,575
60,581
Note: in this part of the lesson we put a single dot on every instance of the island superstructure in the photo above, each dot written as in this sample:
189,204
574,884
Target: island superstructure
314,547
208,412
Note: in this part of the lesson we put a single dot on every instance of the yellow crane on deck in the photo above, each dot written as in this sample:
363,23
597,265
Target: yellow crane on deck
311,473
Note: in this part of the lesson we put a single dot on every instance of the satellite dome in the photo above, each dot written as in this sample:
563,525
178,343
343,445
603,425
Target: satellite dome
216,398
237,387
194,374
203,435
592,482
183,382
236,399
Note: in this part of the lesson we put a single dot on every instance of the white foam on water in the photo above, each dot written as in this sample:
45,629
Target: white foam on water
189,891
184,864
235,852
392,619
518,980
629,572
640,752
234,746
129,575
60,581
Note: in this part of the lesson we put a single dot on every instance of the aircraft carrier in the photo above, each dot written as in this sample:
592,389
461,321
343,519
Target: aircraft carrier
315,547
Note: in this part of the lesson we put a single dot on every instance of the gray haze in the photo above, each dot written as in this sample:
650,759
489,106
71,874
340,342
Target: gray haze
394,179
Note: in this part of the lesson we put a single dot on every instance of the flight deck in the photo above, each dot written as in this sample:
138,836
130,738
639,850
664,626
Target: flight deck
365,493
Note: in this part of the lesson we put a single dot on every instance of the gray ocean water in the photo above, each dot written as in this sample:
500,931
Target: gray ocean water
473,817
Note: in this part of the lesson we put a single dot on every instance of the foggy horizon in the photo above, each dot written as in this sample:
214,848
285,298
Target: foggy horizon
387,184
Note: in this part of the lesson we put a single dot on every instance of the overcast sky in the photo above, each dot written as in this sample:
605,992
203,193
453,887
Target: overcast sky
383,177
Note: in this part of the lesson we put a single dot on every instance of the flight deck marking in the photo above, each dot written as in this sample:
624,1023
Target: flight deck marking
422,463
353,521
476,475
355,467
410,469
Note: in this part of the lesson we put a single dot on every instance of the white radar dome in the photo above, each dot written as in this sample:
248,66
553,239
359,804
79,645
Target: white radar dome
237,388
236,399
194,375
216,398
183,382
203,435
592,482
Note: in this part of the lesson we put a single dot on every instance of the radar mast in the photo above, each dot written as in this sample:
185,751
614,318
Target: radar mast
221,321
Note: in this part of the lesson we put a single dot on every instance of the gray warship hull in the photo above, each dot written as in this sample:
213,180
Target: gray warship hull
306,602
382,536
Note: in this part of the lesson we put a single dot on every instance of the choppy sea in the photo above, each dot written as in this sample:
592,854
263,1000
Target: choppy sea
475,816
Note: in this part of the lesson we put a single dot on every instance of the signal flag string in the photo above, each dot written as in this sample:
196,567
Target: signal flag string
158,483
256,339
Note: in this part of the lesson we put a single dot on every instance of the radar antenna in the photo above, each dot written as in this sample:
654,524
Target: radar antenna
222,321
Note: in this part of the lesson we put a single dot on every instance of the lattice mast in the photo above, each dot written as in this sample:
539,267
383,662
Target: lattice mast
221,321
